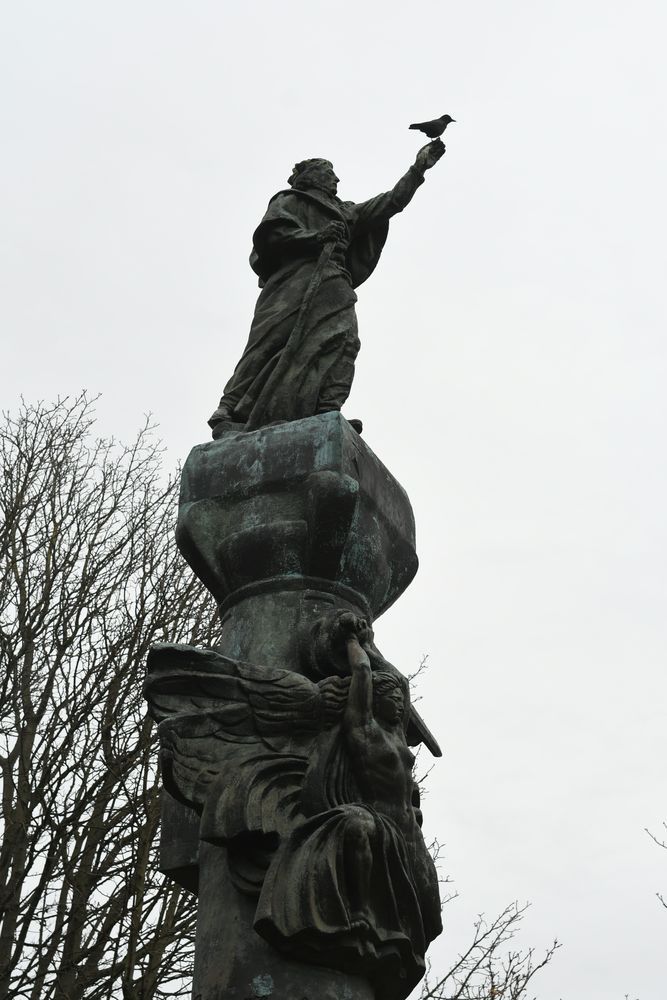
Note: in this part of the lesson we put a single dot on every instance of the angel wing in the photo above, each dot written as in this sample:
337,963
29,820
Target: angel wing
236,738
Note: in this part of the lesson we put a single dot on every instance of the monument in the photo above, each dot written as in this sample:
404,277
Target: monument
290,806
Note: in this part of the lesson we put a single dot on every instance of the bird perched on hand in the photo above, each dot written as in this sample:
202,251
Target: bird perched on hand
435,128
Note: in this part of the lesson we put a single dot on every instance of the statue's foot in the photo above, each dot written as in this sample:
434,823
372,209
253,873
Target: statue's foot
218,429
220,414
224,426
222,420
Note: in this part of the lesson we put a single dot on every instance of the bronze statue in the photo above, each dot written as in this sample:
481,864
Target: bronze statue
310,251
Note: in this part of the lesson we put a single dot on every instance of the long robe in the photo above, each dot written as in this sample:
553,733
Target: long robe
318,375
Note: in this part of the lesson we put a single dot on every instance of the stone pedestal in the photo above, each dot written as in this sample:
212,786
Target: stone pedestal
298,507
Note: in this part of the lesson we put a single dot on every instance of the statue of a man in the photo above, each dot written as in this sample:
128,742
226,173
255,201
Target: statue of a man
310,251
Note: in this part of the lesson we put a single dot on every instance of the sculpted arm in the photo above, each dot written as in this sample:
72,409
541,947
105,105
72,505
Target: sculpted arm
359,708
384,206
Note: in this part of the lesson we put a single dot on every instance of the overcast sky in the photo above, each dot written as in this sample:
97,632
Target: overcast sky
512,375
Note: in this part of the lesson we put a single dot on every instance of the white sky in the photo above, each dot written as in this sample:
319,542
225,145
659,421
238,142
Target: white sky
512,373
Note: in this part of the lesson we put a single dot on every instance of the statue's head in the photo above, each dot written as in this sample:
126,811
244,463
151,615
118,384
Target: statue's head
314,173
389,699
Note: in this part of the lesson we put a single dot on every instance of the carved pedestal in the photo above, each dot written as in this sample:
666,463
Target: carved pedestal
289,802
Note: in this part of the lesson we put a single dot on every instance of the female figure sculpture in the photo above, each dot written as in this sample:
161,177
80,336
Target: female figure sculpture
354,881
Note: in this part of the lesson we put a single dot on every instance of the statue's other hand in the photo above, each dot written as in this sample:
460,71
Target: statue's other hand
429,154
333,232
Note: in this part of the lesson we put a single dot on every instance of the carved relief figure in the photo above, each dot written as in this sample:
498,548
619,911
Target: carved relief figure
310,787
354,883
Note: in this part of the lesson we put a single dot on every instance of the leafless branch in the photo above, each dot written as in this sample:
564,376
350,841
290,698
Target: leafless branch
663,844
490,968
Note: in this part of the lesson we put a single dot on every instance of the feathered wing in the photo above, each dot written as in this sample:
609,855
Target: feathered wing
236,738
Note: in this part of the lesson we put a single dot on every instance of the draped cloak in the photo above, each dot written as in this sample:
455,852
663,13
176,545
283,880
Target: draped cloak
305,904
285,254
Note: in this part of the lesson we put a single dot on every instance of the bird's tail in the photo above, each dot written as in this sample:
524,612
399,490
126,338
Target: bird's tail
413,126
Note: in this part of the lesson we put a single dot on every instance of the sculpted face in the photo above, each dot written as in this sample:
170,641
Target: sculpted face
389,703
323,177
318,174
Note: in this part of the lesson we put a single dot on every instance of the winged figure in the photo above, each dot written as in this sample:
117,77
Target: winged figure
309,785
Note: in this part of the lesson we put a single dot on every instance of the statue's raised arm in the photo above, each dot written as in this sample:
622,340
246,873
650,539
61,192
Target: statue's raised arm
383,206
310,251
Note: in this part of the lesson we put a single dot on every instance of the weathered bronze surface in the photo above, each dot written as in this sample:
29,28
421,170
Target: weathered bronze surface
309,786
310,251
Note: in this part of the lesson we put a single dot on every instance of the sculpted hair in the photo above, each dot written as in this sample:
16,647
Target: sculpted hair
384,682
303,166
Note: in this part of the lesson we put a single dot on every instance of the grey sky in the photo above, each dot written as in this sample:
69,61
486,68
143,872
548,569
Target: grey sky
512,373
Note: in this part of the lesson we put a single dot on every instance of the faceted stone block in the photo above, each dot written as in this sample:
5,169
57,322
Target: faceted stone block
297,506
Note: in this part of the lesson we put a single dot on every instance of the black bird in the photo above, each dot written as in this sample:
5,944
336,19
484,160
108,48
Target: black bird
435,128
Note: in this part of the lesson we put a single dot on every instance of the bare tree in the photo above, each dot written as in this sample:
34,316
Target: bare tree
90,578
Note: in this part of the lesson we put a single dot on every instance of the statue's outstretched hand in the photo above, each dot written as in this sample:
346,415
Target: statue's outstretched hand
429,154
